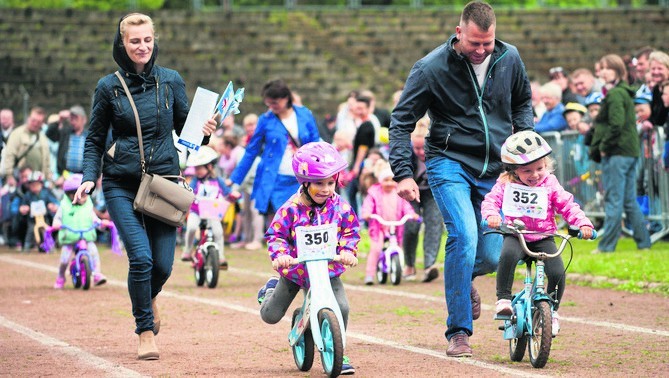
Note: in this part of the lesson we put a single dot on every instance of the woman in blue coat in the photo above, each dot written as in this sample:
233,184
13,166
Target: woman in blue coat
279,133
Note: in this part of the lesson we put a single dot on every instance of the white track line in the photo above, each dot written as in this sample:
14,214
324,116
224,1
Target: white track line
109,369
429,298
254,311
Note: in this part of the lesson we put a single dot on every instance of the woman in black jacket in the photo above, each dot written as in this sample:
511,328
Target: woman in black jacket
160,96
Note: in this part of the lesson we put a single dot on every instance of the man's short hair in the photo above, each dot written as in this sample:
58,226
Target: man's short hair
480,13
38,110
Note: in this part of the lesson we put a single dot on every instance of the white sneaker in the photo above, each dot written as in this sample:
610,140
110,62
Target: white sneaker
503,307
555,324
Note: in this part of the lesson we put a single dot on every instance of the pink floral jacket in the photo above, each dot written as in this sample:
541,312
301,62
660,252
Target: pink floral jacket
281,233
560,201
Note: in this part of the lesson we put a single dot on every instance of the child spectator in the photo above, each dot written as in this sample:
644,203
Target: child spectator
382,199
37,202
575,114
593,102
230,154
367,177
529,171
205,184
79,216
648,175
316,166
427,208
249,123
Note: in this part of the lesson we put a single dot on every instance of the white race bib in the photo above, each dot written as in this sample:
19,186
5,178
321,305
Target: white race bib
525,201
37,208
316,242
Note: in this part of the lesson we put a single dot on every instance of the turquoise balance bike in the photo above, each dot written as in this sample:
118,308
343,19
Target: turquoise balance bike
319,321
530,324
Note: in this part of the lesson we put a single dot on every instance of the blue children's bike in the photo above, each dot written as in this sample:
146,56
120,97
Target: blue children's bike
319,321
531,323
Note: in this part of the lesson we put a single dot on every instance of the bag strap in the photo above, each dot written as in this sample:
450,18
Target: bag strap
142,162
25,153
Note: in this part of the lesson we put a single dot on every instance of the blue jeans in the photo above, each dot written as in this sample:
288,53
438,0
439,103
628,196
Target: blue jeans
150,246
619,178
468,253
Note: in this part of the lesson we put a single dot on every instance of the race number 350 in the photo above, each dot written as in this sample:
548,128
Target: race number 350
316,238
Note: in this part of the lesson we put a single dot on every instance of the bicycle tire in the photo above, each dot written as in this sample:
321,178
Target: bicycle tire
332,356
395,270
303,350
211,267
85,272
542,335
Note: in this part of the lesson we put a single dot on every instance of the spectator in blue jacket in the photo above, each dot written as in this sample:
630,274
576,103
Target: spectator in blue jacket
552,120
279,133
476,92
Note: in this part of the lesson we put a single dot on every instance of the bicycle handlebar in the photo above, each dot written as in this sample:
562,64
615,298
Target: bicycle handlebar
400,222
517,228
296,261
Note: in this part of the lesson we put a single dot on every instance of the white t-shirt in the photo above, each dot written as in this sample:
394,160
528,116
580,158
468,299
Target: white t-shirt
481,69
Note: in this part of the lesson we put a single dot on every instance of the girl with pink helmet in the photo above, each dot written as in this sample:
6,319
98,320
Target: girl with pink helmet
317,166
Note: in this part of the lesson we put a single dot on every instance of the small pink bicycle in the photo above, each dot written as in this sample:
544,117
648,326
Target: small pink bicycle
391,260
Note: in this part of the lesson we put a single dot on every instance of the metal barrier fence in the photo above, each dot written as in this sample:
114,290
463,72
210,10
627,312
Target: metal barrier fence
583,178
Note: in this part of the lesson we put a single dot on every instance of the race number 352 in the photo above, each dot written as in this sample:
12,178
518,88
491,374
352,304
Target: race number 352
524,197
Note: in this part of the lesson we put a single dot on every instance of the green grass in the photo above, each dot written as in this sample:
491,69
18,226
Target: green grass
625,269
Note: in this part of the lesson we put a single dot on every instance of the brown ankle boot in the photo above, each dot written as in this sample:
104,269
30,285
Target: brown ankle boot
156,316
147,349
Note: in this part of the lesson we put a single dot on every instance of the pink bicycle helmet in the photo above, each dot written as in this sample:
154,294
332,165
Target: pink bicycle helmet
73,182
317,161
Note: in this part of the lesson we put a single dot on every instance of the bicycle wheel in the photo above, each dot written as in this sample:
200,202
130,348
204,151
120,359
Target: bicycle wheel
75,274
211,267
395,270
517,348
332,355
85,272
198,267
542,336
381,276
303,350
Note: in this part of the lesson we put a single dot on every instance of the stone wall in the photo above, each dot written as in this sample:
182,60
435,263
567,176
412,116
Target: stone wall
57,56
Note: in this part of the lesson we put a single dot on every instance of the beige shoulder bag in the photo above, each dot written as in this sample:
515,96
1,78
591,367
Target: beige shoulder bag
157,196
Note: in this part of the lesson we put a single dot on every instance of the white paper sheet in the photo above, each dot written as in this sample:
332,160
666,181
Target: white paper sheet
201,110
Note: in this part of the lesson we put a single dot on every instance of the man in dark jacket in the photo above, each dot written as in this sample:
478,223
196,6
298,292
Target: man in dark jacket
71,137
476,92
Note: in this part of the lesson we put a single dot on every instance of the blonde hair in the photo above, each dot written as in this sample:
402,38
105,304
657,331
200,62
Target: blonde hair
659,56
422,128
135,19
510,176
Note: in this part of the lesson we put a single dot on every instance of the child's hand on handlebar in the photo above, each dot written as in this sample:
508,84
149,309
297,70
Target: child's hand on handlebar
347,258
586,233
494,221
282,262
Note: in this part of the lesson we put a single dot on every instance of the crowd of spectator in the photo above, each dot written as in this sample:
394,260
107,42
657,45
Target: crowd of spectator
51,147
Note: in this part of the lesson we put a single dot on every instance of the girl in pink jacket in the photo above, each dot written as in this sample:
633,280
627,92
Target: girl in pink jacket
529,191
382,199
